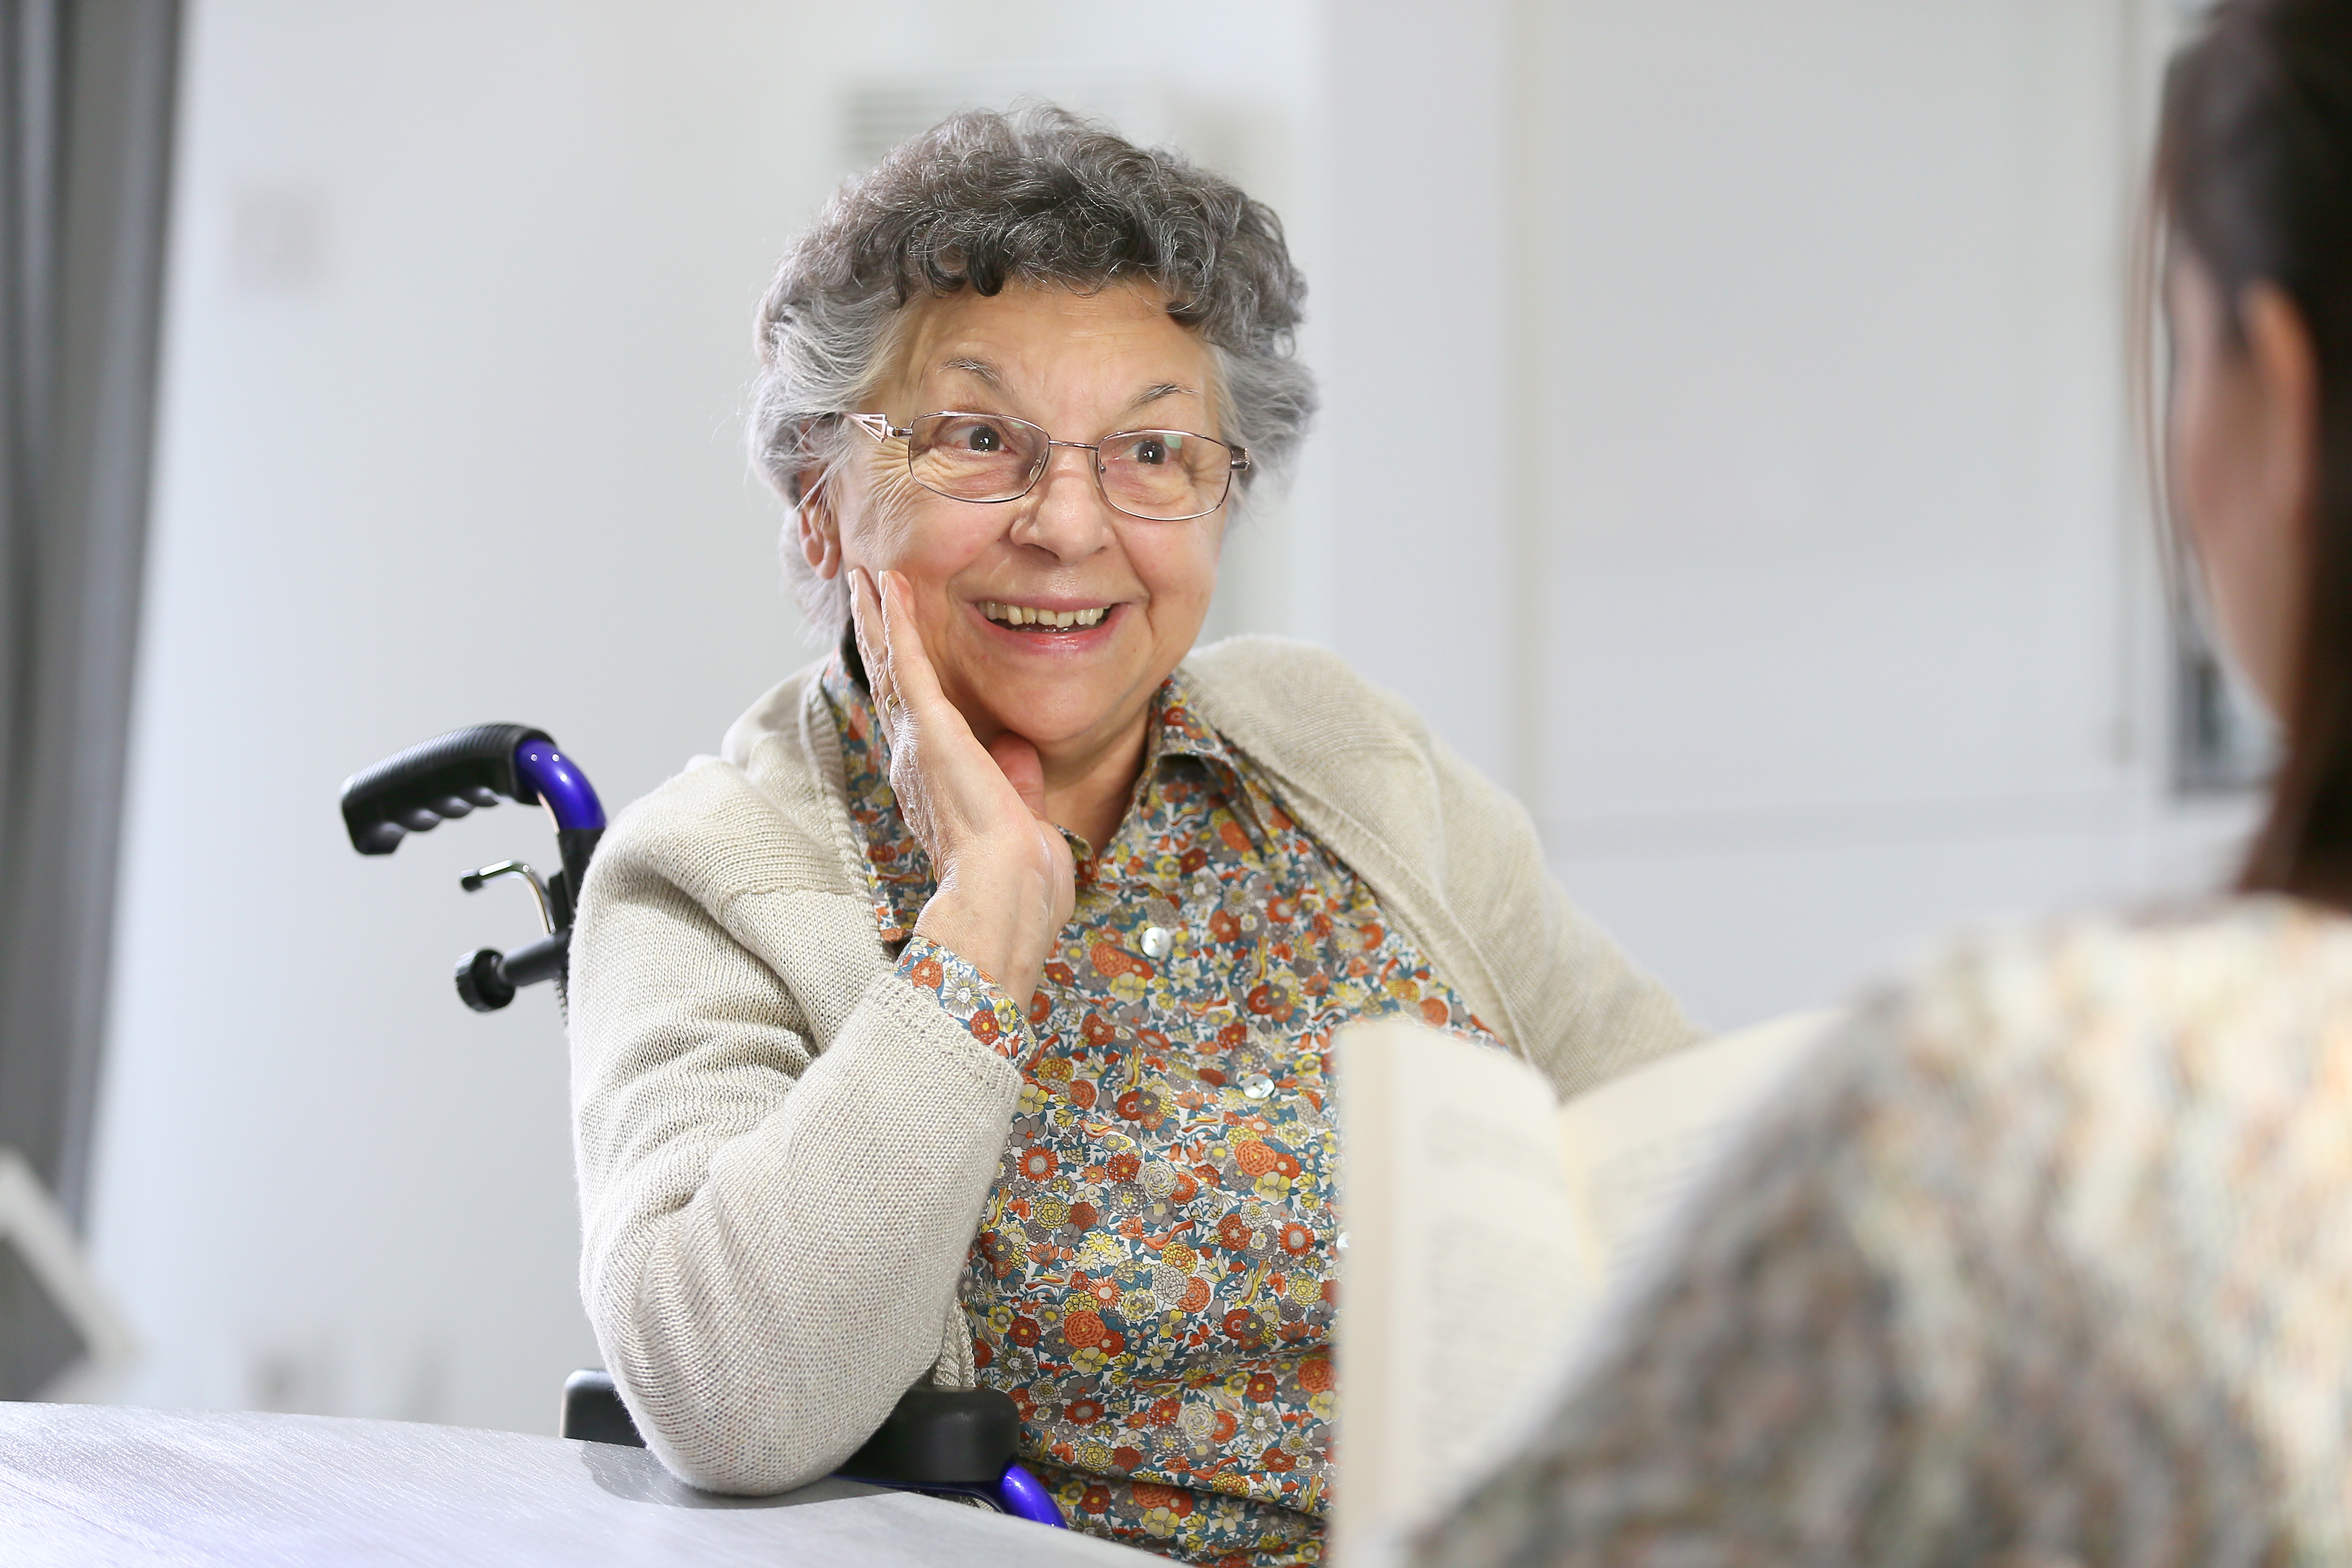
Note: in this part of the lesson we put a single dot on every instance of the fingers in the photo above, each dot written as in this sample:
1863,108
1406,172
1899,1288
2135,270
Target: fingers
872,648
1062,879
912,676
1006,879
951,790
898,673
1017,759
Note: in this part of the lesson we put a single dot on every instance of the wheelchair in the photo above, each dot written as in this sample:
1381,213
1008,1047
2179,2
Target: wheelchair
950,1442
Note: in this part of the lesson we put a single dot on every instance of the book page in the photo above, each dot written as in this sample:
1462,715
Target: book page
1635,1147
1463,1250
1483,1227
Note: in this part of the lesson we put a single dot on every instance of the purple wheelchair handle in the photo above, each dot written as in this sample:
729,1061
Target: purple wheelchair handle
1024,1495
562,787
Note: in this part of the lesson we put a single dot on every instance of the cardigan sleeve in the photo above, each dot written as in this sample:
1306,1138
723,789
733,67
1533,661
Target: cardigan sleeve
771,1232
1450,855
1582,1010
964,991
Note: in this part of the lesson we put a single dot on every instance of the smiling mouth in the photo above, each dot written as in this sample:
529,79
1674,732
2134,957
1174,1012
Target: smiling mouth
1022,618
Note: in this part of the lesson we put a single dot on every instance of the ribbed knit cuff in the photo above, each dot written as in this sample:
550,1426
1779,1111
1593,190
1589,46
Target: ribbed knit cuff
967,994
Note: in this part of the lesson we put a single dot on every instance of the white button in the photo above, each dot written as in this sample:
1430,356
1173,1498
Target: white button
1258,1086
1157,941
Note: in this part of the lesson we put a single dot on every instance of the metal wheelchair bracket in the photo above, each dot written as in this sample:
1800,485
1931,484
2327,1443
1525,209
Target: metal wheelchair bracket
472,882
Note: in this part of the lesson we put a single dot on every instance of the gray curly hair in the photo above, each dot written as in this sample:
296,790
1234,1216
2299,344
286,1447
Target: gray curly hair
1041,196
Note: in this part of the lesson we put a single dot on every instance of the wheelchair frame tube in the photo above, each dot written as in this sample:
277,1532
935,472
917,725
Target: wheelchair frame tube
571,800
561,786
1024,1496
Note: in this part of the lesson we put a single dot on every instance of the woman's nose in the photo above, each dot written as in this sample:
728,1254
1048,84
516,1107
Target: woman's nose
1068,516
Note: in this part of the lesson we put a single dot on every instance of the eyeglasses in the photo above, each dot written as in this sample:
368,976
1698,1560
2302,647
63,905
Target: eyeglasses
1163,476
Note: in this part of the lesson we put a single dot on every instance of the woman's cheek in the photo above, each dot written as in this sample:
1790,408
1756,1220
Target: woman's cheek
1185,573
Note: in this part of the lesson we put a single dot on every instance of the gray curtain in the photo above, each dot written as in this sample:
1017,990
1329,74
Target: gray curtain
85,103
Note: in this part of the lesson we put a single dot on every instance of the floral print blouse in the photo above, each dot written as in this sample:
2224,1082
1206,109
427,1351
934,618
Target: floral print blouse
1154,1277
2047,1261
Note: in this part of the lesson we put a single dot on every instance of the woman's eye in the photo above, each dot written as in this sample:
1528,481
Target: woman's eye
985,439
1151,449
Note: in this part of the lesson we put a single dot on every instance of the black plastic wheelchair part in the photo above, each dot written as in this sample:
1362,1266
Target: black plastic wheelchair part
956,1442
455,775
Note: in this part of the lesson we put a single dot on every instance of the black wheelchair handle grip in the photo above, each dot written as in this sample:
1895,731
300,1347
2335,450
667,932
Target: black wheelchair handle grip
447,776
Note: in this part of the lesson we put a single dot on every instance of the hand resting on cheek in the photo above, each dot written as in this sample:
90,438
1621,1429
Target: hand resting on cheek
1007,882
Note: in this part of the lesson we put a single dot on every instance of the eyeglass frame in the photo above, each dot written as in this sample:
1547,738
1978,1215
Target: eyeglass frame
879,425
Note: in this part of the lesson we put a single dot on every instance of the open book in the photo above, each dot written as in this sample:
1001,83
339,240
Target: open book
1485,1223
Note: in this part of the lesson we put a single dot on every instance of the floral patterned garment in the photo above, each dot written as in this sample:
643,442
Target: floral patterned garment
2046,1261
1153,1280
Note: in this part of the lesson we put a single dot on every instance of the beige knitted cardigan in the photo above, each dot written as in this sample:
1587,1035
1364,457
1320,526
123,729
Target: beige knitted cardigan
784,1149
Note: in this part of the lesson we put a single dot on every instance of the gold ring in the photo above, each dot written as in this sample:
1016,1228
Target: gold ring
888,704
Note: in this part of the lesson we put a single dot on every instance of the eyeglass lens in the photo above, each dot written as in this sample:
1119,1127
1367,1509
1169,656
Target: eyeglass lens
1164,475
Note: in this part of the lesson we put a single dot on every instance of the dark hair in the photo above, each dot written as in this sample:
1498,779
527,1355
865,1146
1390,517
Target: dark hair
1041,196
2254,179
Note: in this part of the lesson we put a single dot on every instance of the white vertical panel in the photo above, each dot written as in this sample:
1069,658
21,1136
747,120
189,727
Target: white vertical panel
1849,630
1415,332
1826,546
1836,415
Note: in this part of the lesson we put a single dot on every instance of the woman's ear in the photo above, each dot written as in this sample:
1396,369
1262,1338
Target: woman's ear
2286,368
819,524
2245,427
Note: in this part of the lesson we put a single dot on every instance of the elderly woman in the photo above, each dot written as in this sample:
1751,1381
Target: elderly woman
967,1018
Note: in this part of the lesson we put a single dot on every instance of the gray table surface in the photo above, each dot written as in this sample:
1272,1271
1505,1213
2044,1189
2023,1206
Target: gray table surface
101,1484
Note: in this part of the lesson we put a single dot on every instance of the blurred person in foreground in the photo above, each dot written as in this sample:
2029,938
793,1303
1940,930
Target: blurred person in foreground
967,1020
2050,1259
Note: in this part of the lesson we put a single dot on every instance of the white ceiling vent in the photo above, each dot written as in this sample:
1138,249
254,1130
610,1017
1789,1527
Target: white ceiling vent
878,113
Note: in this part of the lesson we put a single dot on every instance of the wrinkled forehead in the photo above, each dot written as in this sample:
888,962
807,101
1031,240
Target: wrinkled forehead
1049,353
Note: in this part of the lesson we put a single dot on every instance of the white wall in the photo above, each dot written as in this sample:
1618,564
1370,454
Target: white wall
1725,446
1777,536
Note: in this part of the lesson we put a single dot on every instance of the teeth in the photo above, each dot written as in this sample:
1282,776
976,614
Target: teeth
1022,616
